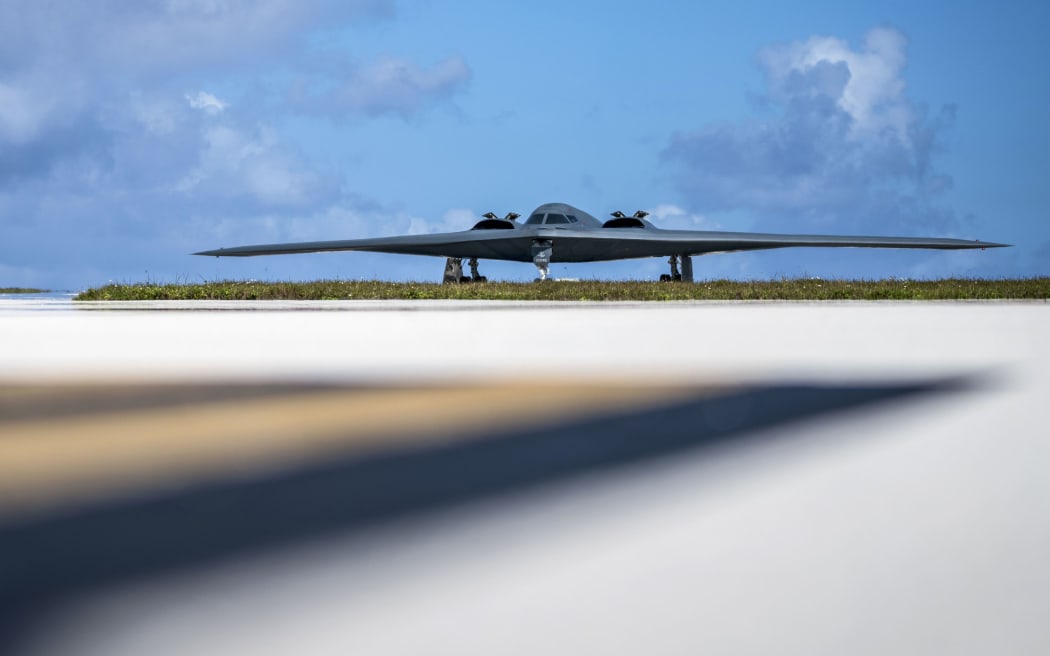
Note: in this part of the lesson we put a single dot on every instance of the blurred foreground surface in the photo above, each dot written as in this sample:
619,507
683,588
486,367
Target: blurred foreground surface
471,477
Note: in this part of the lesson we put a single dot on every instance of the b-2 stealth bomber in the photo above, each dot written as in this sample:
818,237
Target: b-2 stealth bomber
557,232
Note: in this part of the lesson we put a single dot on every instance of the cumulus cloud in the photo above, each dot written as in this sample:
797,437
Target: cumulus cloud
842,145
253,168
866,85
389,85
129,38
206,102
123,138
398,85
73,82
97,64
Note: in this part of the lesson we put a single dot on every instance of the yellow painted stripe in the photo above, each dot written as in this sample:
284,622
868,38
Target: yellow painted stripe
49,461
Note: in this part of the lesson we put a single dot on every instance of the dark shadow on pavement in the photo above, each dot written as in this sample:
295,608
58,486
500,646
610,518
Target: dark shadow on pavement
46,560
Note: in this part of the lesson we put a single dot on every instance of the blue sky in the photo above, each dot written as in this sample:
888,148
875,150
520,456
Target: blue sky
134,133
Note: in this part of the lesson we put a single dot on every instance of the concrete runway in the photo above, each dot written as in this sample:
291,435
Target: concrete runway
459,477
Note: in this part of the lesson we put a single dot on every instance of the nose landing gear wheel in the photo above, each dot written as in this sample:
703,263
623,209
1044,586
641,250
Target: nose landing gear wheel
541,257
475,275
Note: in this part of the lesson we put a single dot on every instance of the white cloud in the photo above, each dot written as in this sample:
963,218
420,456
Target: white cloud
115,148
672,216
389,86
253,166
206,102
457,219
116,37
843,148
79,64
873,93
451,221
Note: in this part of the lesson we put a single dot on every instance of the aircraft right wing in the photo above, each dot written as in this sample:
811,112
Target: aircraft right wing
623,243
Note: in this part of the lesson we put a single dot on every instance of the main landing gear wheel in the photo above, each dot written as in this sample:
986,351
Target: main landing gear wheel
475,275
686,275
454,271
674,276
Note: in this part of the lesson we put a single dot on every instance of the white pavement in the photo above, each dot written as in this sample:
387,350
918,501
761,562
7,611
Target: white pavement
926,531
350,340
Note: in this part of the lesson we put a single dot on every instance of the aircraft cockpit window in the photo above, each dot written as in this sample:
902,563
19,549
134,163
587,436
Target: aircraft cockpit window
535,219
556,218
572,218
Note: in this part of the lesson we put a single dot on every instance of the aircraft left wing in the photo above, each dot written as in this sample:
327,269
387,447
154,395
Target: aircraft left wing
485,244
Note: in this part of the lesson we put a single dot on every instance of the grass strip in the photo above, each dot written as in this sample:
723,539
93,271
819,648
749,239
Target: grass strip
801,289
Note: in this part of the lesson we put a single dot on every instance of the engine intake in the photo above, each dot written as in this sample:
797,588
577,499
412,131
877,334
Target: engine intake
621,220
493,224
624,222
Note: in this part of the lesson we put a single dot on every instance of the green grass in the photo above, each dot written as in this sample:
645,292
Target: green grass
803,289
21,290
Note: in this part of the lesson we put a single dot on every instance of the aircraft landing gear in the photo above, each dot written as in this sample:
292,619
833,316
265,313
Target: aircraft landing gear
686,274
673,261
454,271
541,257
475,275
687,268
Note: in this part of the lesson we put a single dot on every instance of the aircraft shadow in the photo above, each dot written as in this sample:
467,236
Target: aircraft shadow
46,560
